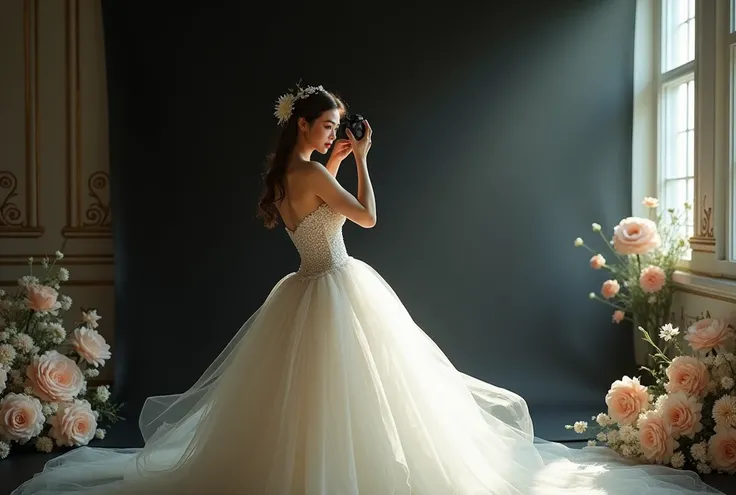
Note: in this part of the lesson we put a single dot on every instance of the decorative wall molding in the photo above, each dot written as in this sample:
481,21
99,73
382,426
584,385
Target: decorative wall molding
21,218
68,283
88,213
72,259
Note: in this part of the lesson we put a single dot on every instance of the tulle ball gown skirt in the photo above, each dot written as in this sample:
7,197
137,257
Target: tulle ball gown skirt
330,388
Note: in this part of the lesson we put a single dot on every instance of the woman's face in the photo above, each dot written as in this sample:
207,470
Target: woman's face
322,133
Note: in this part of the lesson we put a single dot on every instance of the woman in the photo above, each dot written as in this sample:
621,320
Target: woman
331,388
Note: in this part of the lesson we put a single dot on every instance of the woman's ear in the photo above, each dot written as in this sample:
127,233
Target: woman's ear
302,124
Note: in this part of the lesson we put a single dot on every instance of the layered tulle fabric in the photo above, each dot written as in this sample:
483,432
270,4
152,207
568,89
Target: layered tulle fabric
330,388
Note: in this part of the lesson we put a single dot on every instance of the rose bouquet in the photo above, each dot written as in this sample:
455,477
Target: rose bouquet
44,396
646,252
687,419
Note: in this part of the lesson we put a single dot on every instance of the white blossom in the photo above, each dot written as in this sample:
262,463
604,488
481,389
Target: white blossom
7,354
603,419
677,460
668,332
727,382
699,451
66,302
103,393
22,342
580,426
63,274
44,444
4,450
703,468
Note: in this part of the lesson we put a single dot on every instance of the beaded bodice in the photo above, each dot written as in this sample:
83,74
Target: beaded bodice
318,239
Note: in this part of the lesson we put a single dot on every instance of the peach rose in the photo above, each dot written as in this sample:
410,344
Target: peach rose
21,417
41,298
74,424
610,288
618,316
650,202
91,346
722,449
683,413
655,436
652,279
708,334
626,399
634,235
597,262
54,377
687,374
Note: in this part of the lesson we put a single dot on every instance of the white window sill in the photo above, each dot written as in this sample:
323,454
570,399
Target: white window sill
706,286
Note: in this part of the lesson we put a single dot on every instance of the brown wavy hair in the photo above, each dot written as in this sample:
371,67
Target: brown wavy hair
310,108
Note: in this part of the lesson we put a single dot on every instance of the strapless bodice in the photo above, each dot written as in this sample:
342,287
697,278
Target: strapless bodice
318,239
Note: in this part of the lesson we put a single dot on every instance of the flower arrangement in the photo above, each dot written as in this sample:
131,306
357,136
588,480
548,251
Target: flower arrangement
687,419
284,106
646,252
44,396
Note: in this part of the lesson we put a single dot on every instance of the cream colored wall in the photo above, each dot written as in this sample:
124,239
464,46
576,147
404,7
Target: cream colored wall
54,180
691,303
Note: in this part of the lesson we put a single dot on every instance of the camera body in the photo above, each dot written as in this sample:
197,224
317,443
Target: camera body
355,123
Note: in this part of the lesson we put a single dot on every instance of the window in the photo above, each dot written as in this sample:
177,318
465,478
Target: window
676,150
684,128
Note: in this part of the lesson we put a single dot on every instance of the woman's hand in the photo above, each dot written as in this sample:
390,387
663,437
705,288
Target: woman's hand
341,149
360,148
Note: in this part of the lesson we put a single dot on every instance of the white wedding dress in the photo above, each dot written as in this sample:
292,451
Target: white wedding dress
330,388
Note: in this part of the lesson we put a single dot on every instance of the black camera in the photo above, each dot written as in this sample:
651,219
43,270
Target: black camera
355,123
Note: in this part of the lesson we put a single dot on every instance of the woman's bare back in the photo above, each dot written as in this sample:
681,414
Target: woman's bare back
299,199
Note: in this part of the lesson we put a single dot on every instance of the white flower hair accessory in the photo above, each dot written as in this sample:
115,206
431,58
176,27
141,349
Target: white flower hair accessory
285,103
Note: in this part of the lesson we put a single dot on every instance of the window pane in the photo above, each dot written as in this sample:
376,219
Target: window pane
681,108
691,40
691,153
680,11
675,193
691,104
678,40
677,163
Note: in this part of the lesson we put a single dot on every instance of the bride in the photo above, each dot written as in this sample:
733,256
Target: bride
330,387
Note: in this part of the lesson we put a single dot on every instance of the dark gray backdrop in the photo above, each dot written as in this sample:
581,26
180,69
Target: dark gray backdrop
502,130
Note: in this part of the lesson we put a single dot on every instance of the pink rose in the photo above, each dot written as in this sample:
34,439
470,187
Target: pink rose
687,374
610,288
650,202
626,399
618,316
655,436
21,417
91,346
636,235
708,334
683,413
41,298
597,262
722,449
54,377
652,279
74,424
